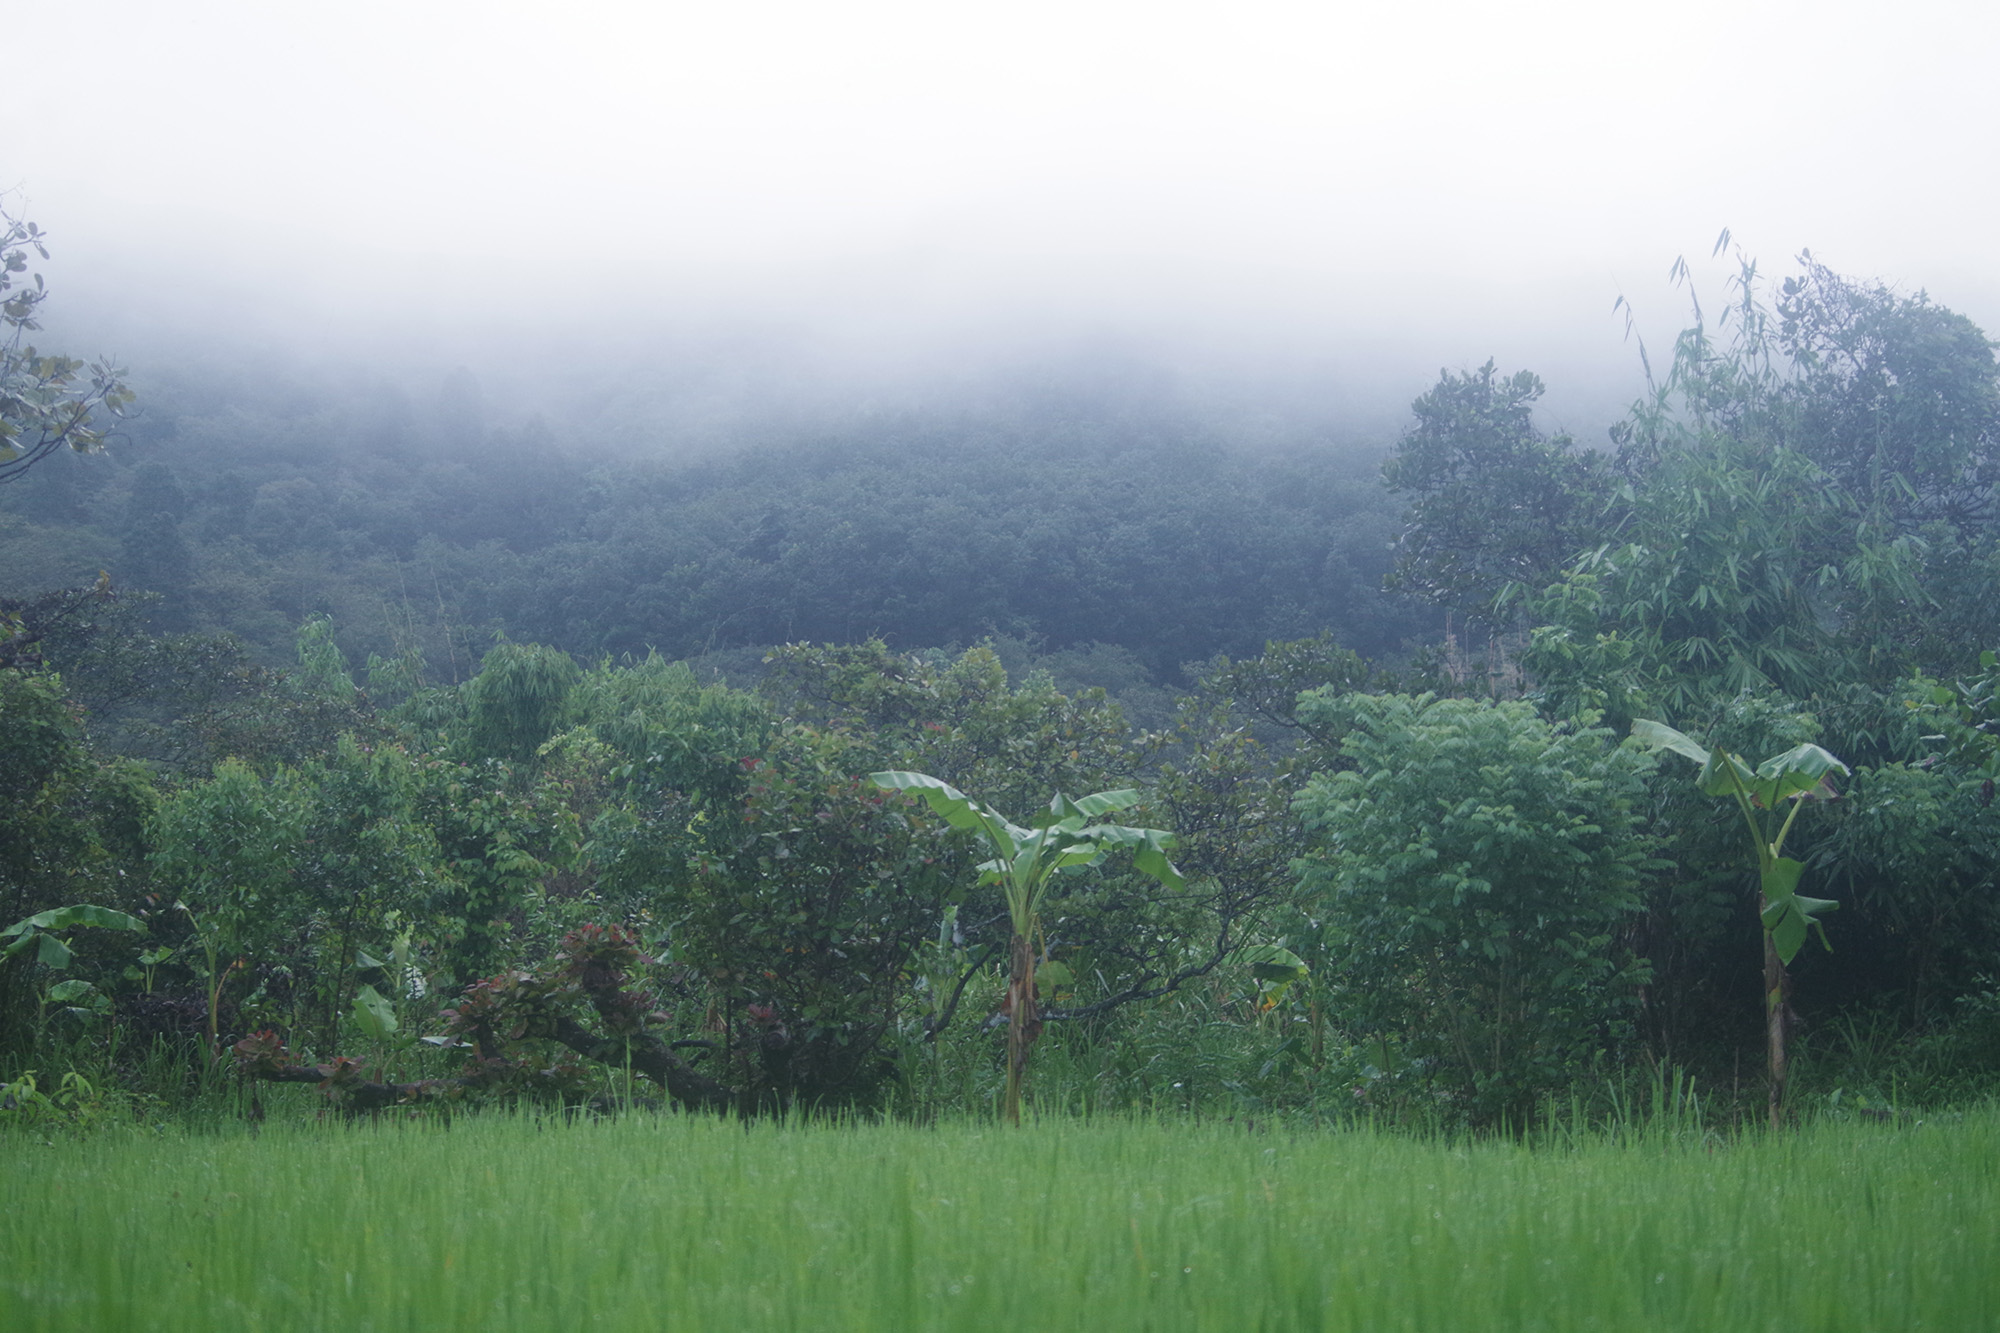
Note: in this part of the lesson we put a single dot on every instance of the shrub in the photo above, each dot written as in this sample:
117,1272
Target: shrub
1474,868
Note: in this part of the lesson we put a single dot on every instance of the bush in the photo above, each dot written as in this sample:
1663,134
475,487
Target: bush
1474,869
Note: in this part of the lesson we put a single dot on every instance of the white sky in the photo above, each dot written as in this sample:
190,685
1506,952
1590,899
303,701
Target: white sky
1434,181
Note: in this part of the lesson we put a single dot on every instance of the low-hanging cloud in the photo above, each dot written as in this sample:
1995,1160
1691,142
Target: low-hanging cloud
1364,189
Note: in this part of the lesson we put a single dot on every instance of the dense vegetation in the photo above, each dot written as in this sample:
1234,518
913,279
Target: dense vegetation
1061,520
379,750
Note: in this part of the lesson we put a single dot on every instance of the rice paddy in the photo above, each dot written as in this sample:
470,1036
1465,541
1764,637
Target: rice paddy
502,1222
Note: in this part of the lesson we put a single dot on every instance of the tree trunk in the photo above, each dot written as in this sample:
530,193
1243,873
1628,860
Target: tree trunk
1024,1024
1776,983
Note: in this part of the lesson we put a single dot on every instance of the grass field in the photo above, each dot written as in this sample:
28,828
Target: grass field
671,1223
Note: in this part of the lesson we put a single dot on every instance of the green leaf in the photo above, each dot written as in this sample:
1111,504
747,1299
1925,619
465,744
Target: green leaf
373,1014
66,918
1063,809
1799,771
956,808
53,952
1788,915
1718,767
1270,962
1149,849
1051,977
1781,881
65,991
1660,736
1724,774
1787,928
1081,854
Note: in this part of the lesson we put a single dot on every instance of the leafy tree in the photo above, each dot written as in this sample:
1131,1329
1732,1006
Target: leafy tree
1898,397
960,718
508,847
297,872
516,701
1915,849
1969,712
790,896
1271,684
675,755
1726,583
47,401
1477,869
71,825
178,702
1790,483
963,721
1235,837
802,906
1494,501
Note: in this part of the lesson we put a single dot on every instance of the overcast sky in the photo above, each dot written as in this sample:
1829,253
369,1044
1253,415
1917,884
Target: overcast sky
1402,185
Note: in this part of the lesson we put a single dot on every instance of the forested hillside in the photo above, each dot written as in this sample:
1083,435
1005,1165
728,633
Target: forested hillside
1056,519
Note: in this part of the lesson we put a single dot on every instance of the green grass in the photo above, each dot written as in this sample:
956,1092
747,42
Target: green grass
675,1223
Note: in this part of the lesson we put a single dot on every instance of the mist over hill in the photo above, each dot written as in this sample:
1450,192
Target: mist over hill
713,504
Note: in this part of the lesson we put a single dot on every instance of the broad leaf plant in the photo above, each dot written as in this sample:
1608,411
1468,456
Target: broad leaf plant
1762,793
1068,836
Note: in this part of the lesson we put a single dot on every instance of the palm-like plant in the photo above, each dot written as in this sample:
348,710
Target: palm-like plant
1796,776
1067,836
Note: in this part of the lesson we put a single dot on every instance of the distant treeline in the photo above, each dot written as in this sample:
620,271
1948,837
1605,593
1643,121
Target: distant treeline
1063,525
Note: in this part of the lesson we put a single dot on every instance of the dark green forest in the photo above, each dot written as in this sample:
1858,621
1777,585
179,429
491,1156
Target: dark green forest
353,739
1055,518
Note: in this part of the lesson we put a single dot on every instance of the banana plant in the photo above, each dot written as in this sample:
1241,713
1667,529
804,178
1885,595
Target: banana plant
1276,970
80,999
37,932
1066,837
1798,775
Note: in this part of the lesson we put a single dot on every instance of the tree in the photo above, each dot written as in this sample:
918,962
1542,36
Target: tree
47,401
1476,869
70,826
516,701
1898,397
1790,486
1494,501
802,907
299,872
1741,569
963,723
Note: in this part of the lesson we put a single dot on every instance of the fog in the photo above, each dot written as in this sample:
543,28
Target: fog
1306,207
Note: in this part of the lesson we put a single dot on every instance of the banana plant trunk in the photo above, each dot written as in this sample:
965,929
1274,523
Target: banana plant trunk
1024,1024
1776,982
